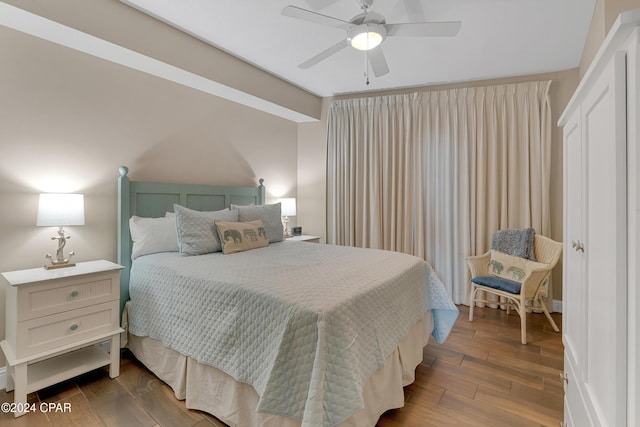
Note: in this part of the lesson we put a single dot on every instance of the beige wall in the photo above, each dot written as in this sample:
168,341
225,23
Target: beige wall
312,185
595,37
604,15
68,120
613,8
312,153
122,25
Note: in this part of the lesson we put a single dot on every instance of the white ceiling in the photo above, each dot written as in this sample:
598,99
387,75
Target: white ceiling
498,38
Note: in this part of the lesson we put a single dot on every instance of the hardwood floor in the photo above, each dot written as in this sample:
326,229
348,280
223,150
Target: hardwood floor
481,376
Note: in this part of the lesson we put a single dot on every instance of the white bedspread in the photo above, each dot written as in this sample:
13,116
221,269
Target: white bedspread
304,324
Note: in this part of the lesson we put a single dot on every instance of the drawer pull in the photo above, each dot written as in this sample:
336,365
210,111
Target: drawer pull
74,294
73,327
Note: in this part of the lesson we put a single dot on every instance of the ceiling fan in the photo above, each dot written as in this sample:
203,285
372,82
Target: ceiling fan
366,31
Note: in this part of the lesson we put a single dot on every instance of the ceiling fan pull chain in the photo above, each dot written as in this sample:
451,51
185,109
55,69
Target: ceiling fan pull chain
366,67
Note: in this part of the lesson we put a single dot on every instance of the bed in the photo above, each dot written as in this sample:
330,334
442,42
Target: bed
286,334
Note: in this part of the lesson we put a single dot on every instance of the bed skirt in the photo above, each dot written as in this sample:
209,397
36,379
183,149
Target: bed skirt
208,389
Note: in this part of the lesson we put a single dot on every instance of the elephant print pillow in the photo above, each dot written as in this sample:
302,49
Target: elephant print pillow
511,267
241,236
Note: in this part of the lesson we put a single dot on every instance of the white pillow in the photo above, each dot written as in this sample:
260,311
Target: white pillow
197,233
152,235
270,216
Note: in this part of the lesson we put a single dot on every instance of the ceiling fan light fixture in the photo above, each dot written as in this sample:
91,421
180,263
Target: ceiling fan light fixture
366,36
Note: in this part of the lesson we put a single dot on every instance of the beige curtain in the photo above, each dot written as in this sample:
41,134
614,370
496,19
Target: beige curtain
434,174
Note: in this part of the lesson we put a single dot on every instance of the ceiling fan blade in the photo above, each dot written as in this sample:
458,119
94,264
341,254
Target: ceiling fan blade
324,55
318,18
320,4
414,9
424,29
378,62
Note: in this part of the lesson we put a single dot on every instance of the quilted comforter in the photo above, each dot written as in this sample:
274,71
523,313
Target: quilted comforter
305,324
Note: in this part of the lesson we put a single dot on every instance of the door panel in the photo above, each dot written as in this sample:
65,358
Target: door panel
573,282
595,278
603,367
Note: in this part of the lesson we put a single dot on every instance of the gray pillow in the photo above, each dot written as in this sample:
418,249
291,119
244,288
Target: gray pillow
270,216
196,230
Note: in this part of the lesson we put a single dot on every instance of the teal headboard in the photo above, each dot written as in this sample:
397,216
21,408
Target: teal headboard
154,199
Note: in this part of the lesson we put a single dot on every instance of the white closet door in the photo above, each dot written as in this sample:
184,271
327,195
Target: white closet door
574,191
603,365
574,285
601,319
633,209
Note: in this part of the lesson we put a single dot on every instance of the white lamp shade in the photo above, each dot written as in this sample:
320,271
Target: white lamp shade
288,206
58,210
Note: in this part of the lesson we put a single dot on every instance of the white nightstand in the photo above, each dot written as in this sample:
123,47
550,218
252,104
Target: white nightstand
305,238
55,322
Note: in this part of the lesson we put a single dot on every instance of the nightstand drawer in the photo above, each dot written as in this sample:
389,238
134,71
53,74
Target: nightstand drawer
38,300
46,333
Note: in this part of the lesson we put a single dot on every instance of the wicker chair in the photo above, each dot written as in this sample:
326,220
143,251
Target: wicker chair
533,287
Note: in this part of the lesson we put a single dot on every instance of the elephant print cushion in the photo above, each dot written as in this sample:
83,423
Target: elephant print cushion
511,267
241,236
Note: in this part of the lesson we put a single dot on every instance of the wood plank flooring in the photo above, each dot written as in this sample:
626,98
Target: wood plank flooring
481,376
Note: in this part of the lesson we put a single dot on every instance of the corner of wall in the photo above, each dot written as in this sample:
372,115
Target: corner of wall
595,37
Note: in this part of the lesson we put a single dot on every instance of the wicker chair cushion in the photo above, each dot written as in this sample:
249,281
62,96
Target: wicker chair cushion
498,283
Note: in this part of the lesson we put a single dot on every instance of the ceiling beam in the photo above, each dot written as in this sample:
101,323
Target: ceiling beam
172,55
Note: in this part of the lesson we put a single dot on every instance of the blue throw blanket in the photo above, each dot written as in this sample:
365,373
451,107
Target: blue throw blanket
516,242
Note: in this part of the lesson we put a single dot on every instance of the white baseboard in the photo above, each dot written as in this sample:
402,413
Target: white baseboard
556,306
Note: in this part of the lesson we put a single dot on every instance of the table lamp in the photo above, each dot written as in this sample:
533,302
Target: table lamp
288,206
59,210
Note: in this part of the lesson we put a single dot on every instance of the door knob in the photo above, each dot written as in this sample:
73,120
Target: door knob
578,246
